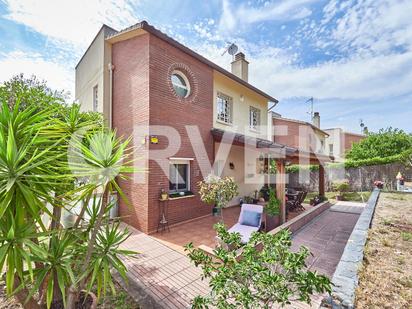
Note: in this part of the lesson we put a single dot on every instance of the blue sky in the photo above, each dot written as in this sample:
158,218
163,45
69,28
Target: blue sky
353,57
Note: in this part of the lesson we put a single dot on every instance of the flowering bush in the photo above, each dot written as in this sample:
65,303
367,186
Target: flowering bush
217,190
378,183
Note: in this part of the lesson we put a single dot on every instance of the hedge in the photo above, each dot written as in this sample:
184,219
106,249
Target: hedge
367,162
354,164
294,168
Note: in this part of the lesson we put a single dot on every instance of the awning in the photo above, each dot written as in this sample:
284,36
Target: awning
290,152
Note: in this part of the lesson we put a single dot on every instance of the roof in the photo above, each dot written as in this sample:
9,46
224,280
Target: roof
102,28
290,152
303,122
345,132
259,142
152,30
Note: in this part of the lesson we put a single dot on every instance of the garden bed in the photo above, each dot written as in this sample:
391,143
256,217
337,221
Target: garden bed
385,278
347,196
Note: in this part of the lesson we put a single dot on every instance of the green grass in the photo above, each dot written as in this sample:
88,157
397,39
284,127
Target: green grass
348,196
406,236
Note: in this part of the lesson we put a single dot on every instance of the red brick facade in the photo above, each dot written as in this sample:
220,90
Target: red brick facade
349,139
288,132
142,95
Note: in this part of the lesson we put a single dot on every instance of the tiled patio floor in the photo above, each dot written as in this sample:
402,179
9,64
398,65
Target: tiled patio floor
161,277
201,232
326,236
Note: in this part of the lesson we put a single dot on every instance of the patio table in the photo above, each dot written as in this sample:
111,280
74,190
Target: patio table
292,196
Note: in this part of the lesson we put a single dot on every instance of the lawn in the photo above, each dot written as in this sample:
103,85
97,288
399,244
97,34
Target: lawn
348,196
385,278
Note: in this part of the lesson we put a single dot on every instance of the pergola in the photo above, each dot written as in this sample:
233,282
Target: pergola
283,155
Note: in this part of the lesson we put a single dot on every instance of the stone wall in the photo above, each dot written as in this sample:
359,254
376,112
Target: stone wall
360,179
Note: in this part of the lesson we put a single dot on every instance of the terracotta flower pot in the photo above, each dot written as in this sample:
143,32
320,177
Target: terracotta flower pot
271,222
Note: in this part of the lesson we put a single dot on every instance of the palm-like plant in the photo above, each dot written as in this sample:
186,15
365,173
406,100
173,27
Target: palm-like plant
36,180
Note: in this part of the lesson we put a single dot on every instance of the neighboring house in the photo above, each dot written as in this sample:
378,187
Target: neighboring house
140,78
92,87
339,142
300,134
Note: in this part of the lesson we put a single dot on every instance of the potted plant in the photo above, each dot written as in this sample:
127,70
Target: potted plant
218,191
272,211
378,184
340,187
264,192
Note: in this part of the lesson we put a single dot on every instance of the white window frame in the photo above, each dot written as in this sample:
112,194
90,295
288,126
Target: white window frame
253,110
185,79
95,98
180,161
227,101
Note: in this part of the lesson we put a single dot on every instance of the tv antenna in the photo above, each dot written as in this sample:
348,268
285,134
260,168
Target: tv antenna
311,107
362,124
231,49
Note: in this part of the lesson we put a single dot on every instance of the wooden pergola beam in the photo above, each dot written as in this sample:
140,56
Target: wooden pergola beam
321,180
280,188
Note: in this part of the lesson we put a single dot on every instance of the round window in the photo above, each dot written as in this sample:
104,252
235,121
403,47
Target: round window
180,84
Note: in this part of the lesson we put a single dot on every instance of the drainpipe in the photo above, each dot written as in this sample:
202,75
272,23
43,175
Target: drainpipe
111,68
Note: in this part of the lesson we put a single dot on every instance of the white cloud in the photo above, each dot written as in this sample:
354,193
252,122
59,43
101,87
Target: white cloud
75,22
377,26
358,78
58,77
235,17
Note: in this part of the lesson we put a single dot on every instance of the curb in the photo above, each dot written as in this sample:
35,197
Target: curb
345,278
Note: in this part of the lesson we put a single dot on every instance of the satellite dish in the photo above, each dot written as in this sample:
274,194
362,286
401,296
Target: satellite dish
231,50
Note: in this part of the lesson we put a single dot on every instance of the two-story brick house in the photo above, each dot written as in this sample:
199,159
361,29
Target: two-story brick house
143,82
299,134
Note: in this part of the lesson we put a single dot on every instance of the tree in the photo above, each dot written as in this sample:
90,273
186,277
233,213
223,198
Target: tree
30,92
217,191
261,274
385,143
47,263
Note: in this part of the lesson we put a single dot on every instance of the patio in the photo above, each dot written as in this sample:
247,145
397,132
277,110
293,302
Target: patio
161,277
200,231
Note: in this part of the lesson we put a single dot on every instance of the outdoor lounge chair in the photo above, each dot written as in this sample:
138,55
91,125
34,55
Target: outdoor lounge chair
250,220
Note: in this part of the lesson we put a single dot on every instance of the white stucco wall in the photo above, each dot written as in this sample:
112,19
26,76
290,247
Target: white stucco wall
242,172
243,98
93,70
335,138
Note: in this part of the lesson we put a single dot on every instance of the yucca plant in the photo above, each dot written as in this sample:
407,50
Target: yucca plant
46,263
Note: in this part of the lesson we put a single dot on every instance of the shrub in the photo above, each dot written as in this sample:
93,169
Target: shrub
341,186
272,207
217,191
265,275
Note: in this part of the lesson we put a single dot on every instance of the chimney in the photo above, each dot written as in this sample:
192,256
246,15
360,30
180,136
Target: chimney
316,120
240,66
